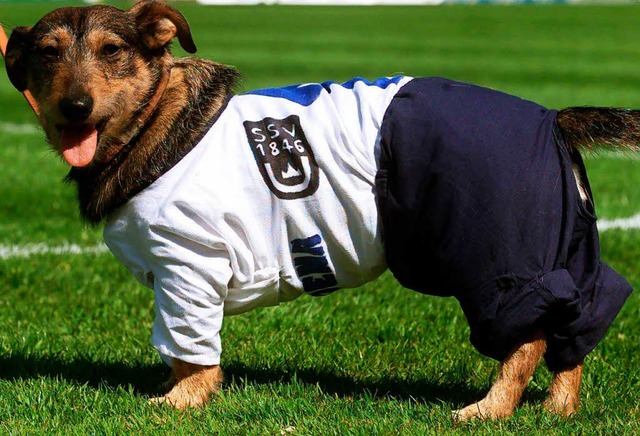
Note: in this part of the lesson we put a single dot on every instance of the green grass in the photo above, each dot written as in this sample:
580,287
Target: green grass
74,330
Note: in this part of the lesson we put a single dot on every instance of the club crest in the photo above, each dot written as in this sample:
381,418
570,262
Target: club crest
284,156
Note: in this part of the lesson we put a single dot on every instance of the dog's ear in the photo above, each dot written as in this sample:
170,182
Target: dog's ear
16,57
159,24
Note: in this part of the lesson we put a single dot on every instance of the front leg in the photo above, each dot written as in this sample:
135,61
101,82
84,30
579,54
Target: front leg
564,394
505,394
192,385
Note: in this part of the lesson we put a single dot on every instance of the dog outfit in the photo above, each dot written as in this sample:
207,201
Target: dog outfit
283,194
476,191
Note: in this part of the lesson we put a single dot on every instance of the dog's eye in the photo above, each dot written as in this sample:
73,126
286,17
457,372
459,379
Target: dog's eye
50,51
110,50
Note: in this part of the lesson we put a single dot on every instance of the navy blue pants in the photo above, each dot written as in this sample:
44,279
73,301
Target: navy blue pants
478,201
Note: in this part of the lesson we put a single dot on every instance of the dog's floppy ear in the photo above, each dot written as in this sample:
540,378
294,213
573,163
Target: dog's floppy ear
17,56
159,24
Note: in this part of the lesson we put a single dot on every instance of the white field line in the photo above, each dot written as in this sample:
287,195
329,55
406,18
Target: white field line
630,223
19,128
28,250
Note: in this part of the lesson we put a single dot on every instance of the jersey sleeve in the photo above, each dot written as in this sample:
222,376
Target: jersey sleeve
188,268
190,280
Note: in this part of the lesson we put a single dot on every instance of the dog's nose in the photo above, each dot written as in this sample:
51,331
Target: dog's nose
76,109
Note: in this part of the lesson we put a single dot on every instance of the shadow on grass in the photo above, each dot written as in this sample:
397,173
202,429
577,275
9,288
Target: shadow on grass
422,390
146,379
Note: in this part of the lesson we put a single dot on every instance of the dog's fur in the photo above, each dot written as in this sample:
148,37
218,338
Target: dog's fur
112,70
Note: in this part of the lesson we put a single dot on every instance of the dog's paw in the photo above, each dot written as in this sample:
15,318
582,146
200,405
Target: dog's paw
186,393
481,410
179,401
562,406
190,385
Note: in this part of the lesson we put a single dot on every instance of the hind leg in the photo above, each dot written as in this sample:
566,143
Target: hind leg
564,394
505,394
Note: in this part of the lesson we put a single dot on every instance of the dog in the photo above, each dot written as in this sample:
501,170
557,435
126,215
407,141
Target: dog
223,202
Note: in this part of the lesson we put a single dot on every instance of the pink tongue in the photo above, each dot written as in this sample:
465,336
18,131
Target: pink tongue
79,145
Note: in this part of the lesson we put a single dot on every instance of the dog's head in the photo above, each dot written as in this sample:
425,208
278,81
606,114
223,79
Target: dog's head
93,70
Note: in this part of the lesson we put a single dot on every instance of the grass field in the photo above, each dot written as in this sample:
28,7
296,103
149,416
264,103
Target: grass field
74,329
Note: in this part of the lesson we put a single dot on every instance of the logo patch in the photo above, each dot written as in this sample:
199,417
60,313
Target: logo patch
284,157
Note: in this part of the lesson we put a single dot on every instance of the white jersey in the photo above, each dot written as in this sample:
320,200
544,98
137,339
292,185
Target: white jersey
276,200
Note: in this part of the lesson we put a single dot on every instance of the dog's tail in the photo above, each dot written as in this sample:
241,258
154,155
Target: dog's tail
600,127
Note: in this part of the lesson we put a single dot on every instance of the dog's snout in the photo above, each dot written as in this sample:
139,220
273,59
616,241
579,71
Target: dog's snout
76,109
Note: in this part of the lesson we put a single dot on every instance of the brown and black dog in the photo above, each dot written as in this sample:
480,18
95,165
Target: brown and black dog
121,110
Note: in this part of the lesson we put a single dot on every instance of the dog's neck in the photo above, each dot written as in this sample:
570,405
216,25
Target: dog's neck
194,96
